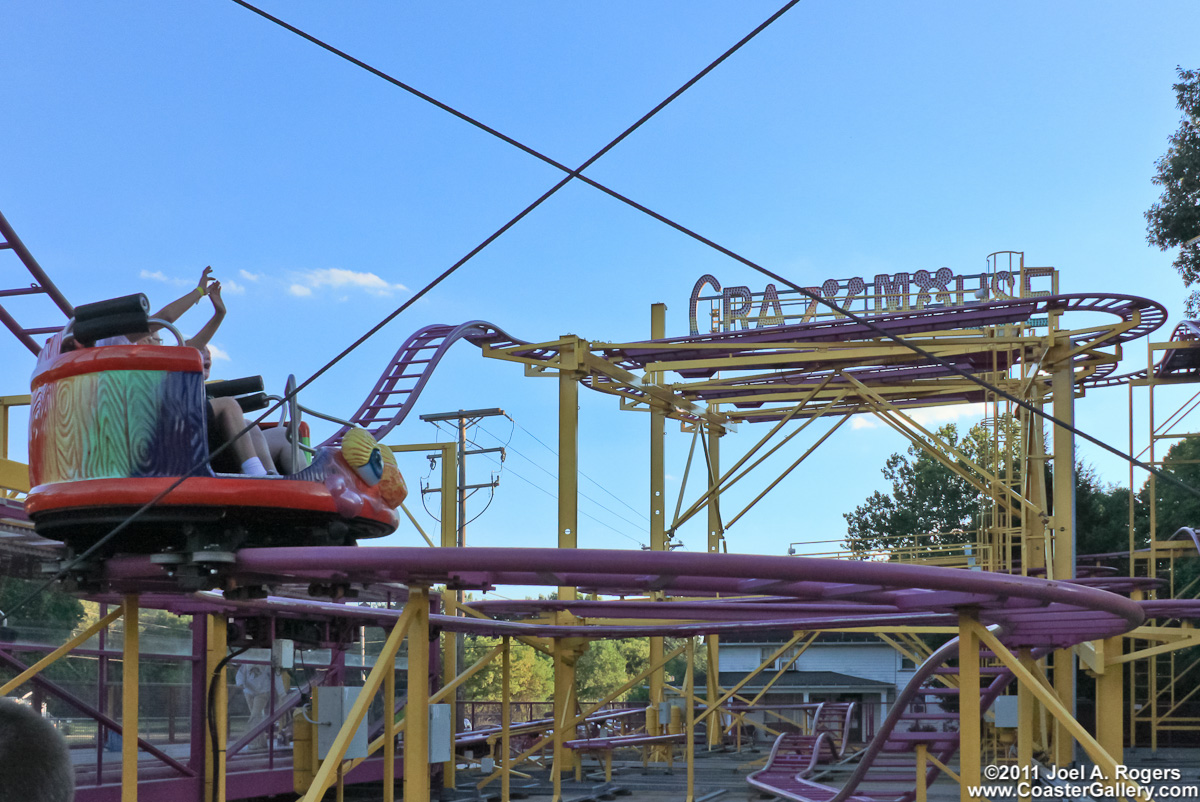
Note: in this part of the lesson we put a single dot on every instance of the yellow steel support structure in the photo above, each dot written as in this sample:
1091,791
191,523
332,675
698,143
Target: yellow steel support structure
713,687
922,768
218,645
416,715
594,708
969,726
568,453
67,647
389,735
1062,385
451,600
415,618
505,721
690,690
658,518
716,532
1046,695
716,535
1025,711
129,701
1110,702
566,653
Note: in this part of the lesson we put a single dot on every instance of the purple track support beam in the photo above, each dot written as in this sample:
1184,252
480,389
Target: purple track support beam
1075,612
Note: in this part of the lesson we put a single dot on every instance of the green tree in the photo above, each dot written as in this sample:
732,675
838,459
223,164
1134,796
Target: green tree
531,680
929,497
926,497
1175,218
1175,507
637,651
1101,514
50,607
599,671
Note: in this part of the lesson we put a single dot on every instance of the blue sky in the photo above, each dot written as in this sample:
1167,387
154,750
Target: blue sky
144,140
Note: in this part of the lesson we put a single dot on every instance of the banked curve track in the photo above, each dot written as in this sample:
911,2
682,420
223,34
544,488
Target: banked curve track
395,393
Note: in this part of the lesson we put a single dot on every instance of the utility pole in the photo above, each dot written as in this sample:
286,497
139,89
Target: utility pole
463,418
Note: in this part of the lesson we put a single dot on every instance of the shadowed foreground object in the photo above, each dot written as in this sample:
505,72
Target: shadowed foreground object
35,765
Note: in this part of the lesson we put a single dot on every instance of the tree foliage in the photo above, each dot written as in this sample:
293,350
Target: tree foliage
926,497
532,673
599,671
1101,514
50,607
1175,217
603,667
929,497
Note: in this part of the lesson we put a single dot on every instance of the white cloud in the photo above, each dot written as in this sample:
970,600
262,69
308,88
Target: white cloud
299,290
246,274
928,416
158,275
350,279
218,353
233,287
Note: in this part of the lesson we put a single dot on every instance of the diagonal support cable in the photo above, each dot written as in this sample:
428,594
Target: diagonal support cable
141,511
817,297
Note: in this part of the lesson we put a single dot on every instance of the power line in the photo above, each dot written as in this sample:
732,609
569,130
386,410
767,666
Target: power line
141,511
726,251
554,476
584,475
581,512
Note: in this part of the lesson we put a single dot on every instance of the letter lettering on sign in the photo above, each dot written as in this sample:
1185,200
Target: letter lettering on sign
735,306
770,313
705,279
939,281
891,294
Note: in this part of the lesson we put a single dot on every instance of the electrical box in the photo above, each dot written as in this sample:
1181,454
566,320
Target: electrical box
441,734
1005,709
333,705
283,654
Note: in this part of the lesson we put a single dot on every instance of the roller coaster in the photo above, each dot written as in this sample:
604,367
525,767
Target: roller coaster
1016,628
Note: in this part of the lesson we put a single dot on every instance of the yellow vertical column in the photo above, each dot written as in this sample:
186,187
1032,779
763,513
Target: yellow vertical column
450,598
922,771
565,652
713,642
505,719
1033,528
568,452
715,532
1025,710
1062,385
689,697
713,727
968,707
658,522
1110,701
129,702
568,538
389,732
416,717
217,646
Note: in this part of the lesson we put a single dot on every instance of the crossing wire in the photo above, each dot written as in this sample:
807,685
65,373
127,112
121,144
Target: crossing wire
555,497
553,475
584,475
831,305
141,511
